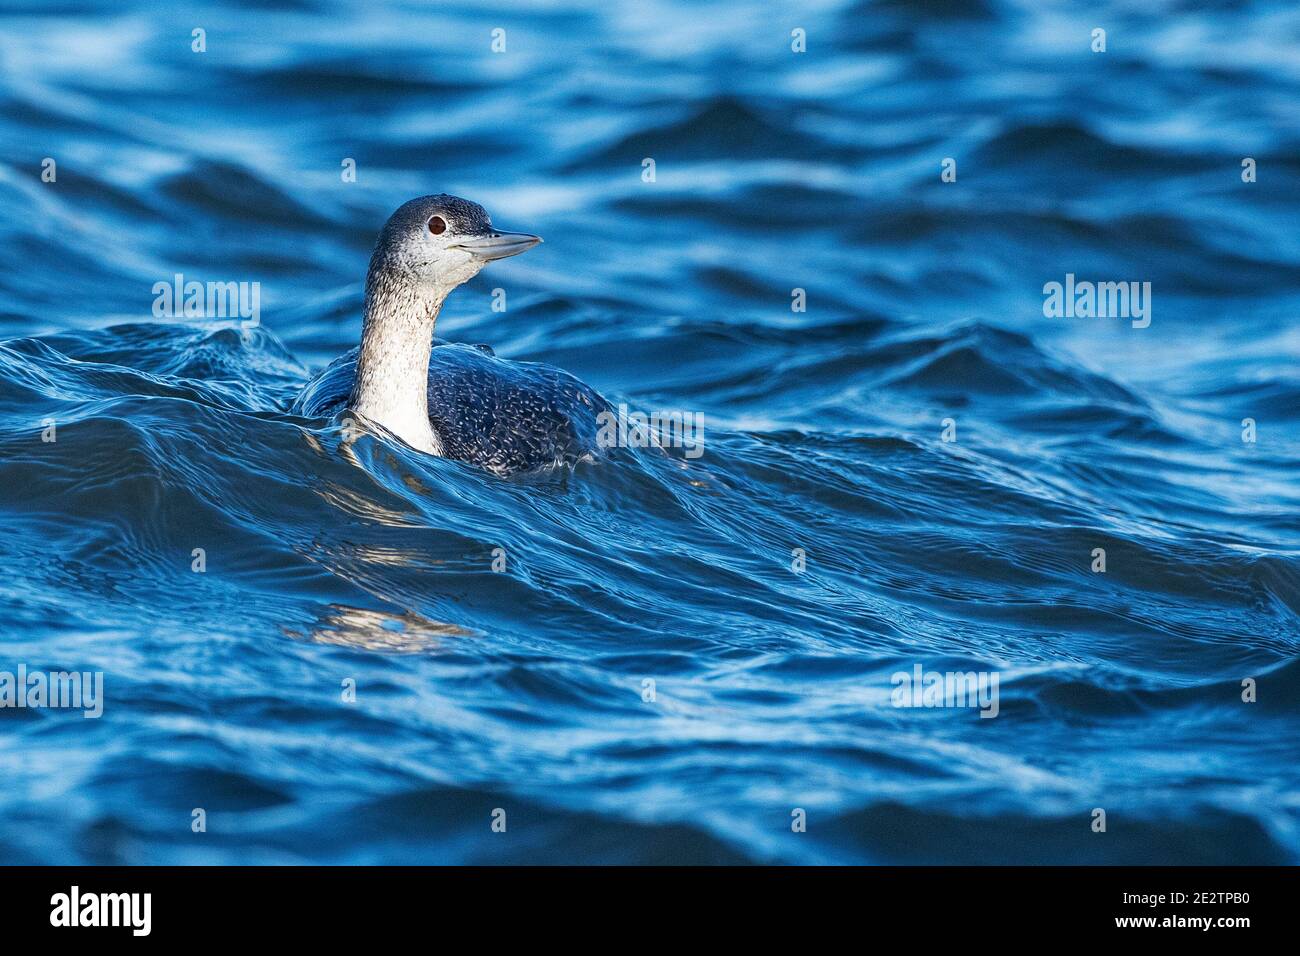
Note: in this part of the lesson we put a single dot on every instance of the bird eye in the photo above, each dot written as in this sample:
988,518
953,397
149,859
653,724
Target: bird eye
437,225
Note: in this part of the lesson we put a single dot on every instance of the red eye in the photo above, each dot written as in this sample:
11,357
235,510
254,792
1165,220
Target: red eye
437,225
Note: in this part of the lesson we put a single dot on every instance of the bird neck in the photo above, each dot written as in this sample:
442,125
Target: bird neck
392,381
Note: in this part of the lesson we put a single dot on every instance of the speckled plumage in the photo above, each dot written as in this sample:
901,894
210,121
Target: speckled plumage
501,415
456,401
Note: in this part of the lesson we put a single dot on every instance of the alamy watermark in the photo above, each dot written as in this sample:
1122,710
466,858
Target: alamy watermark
75,908
191,299
922,688
660,429
1098,300
72,690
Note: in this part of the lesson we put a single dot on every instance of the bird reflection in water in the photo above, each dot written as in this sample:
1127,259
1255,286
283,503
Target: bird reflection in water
373,630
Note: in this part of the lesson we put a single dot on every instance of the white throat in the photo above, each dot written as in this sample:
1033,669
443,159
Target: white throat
392,381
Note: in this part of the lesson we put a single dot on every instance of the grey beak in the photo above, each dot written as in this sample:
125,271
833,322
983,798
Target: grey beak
498,245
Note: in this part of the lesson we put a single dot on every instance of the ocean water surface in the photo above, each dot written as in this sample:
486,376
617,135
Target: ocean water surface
659,658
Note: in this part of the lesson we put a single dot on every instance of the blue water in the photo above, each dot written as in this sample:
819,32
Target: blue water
331,565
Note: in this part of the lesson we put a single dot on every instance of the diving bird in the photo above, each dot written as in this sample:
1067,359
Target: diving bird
451,400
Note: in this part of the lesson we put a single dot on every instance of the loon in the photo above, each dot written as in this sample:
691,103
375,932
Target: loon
450,400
